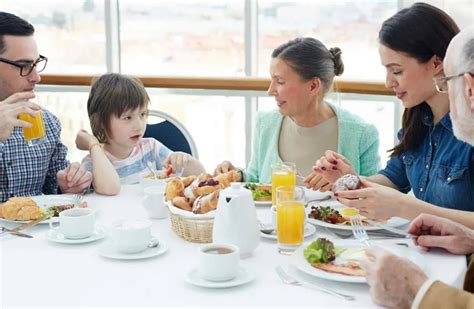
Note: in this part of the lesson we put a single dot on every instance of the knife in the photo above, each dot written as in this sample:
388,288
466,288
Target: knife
390,229
5,230
28,224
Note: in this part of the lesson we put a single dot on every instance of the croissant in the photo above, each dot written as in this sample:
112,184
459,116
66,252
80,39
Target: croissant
188,180
189,192
20,208
174,188
183,203
205,203
226,178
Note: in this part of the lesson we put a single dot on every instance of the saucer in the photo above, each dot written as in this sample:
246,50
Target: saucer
55,235
244,276
109,251
309,230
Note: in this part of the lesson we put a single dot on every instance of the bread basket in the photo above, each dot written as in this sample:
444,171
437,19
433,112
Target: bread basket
189,226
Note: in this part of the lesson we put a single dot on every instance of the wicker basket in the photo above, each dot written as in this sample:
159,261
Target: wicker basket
194,229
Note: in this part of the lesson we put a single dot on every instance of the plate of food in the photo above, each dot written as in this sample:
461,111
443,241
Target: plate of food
339,260
261,192
25,209
338,217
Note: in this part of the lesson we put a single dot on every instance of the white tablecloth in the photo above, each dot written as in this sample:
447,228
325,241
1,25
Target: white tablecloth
36,272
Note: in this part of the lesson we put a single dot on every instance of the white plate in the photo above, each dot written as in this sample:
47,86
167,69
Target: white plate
298,260
55,235
109,251
393,222
308,231
263,203
45,201
243,276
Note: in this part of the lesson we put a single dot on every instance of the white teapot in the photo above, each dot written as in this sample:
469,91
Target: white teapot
235,221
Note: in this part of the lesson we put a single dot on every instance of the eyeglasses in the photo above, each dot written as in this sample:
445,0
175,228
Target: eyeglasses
441,83
27,68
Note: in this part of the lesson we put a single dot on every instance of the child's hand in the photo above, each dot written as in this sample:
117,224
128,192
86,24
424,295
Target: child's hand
84,140
177,160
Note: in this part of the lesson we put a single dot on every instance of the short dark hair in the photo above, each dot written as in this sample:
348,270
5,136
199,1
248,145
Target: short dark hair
310,58
113,94
13,25
421,31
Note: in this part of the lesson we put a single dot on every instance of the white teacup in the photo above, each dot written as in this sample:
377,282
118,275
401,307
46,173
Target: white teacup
153,201
130,235
76,223
218,262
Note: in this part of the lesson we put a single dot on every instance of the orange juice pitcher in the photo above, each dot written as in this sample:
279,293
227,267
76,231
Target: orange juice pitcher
283,174
37,132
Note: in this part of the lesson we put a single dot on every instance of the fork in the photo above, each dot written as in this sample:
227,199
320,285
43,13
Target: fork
359,231
77,198
287,279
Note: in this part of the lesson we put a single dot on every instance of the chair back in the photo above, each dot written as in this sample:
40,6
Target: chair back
171,133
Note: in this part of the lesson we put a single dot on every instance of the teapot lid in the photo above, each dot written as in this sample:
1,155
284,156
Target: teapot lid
235,189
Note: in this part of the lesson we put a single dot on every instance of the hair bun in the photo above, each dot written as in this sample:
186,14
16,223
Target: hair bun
336,57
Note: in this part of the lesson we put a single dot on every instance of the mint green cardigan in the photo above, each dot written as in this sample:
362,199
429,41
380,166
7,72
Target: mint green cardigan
358,141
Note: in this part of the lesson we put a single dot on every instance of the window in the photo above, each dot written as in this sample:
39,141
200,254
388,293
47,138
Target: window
72,36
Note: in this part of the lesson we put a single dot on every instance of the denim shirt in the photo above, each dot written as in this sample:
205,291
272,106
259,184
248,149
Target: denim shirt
438,170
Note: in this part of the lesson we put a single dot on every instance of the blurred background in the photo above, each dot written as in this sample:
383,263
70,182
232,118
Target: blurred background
213,38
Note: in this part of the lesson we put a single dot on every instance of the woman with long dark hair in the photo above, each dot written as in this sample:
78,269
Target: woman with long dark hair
428,160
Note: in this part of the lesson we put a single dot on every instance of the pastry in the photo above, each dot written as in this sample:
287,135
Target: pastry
188,180
183,203
346,183
20,208
205,203
174,188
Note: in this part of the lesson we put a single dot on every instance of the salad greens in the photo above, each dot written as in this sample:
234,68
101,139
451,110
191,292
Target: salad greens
321,251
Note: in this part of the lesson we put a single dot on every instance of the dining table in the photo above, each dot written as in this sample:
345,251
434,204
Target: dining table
38,272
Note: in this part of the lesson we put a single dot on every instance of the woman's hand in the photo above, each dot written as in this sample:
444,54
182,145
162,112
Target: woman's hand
84,140
316,181
224,167
332,166
177,160
373,200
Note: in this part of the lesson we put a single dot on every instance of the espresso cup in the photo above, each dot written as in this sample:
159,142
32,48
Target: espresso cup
76,223
218,262
130,235
153,202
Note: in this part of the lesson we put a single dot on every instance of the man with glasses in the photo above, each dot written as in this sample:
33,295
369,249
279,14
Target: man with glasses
29,170
393,280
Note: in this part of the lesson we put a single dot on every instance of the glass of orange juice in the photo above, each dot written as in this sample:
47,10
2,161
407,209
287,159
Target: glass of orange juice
290,218
34,135
283,174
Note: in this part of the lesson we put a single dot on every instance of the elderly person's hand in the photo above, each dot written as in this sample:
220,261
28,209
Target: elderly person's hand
332,166
11,107
316,181
224,167
74,179
84,140
394,281
373,200
178,161
439,232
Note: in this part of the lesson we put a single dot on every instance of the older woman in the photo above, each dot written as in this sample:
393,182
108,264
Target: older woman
305,125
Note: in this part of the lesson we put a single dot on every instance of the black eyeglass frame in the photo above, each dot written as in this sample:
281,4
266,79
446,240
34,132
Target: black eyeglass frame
27,66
